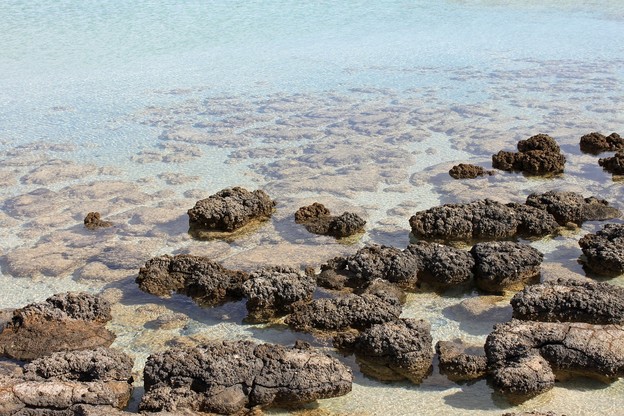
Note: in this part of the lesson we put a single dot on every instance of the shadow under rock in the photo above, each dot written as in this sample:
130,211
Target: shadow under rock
478,321
477,396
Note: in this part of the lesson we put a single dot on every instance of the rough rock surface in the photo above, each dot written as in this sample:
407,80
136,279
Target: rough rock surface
94,221
468,171
229,376
458,364
442,266
271,292
396,350
596,143
524,357
614,164
570,207
230,209
64,322
63,382
604,251
370,263
346,312
505,265
481,220
570,300
318,220
534,413
207,282
538,155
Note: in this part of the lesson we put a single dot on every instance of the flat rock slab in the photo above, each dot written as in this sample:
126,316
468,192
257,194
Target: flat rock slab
230,376
604,251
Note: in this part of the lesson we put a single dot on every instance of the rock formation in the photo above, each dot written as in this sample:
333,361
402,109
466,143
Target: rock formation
596,143
614,164
94,221
468,171
538,155
570,207
458,364
604,251
318,220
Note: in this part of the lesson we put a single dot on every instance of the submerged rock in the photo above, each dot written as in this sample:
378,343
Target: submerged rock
604,251
614,164
94,221
468,171
396,350
63,382
525,357
345,312
207,282
505,265
570,300
64,322
538,155
230,209
481,220
230,376
272,292
458,364
596,143
570,207
318,220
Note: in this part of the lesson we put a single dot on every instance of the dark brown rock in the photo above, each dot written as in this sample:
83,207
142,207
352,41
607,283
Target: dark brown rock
207,282
227,377
604,251
596,143
230,209
570,207
538,155
64,322
613,165
459,363
93,221
468,171
318,220
442,266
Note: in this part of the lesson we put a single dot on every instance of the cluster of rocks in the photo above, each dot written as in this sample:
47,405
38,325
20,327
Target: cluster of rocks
614,164
537,155
596,143
542,214
318,220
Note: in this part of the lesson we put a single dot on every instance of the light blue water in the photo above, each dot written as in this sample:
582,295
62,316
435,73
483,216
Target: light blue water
137,109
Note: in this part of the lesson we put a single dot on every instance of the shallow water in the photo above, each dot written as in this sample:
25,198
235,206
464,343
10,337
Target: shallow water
137,111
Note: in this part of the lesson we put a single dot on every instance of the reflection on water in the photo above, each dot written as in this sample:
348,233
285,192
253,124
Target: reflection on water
363,108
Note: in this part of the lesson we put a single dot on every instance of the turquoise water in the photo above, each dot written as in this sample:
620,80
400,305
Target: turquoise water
139,109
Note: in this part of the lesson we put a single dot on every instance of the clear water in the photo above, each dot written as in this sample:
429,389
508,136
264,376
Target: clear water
139,109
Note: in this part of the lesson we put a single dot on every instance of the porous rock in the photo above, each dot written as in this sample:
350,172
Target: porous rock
94,221
614,164
229,376
345,312
604,251
63,322
570,300
230,209
318,220
207,282
459,363
468,171
442,266
396,350
596,143
481,220
537,155
271,291
525,357
570,207
505,265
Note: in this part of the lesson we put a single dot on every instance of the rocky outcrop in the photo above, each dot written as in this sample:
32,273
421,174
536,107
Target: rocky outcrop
538,155
442,266
227,377
604,251
396,350
230,209
207,282
67,383
458,362
570,300
570,207
481,220
64,322
468,171
318,220
525,357
271,292
505,265
614,164
596,143
345,312
93,221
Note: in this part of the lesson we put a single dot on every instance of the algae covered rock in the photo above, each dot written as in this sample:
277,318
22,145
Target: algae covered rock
604,250
318,220
570,207
537,155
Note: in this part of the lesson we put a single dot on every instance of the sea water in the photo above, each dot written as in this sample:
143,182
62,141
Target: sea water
138,109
